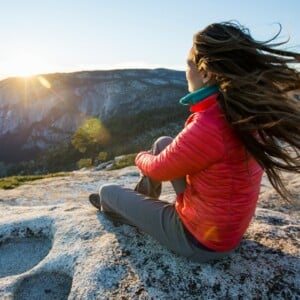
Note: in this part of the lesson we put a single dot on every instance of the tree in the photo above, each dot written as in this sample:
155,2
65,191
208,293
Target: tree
90,137
102,156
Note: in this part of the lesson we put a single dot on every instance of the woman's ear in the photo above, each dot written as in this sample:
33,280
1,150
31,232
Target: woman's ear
207,77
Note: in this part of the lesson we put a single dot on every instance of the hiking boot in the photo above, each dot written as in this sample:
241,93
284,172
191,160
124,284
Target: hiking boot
95,200
148,187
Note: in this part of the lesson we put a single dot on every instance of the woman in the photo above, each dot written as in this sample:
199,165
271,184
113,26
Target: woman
242,123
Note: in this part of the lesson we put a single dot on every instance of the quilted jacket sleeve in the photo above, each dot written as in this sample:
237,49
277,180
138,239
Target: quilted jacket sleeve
196,147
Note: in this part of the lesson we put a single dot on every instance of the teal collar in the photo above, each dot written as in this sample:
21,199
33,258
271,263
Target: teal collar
199,95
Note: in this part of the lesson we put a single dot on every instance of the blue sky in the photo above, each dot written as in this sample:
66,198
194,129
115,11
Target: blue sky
68,35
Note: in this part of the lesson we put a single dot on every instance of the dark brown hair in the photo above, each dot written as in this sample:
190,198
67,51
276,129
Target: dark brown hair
253,79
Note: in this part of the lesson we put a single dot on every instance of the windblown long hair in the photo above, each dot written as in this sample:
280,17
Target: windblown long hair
254,78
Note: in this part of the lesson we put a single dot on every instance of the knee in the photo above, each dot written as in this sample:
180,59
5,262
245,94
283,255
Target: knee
107,191
161,143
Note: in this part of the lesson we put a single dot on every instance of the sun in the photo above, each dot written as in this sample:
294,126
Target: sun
26,64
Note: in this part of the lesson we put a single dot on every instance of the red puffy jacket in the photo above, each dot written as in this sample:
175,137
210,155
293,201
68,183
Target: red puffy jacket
223,180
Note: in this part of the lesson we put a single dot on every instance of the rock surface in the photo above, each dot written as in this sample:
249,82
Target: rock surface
54,245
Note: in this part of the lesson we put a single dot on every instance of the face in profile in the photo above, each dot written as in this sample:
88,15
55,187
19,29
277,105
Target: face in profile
196,79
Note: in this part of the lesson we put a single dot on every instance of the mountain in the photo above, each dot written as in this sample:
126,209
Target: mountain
39,112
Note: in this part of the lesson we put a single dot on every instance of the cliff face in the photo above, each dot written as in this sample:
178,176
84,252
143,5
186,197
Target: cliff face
38,112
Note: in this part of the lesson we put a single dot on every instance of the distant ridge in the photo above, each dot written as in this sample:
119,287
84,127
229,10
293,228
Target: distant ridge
45,110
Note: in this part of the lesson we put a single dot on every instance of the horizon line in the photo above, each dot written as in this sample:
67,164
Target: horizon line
91,69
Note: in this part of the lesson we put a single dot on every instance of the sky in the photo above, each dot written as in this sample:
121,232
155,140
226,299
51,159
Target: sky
48,36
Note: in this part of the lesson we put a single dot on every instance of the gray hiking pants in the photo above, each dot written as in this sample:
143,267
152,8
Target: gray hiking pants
155,217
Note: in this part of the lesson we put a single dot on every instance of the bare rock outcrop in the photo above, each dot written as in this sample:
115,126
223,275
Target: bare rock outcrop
54,245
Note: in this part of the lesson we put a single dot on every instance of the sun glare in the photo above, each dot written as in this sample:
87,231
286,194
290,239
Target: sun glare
44,82
26,65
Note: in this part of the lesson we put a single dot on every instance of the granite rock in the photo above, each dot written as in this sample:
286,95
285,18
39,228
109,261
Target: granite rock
39,112
55,245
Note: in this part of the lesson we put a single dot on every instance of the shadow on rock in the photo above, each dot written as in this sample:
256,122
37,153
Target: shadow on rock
44,285
18,256
23,245
253,271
